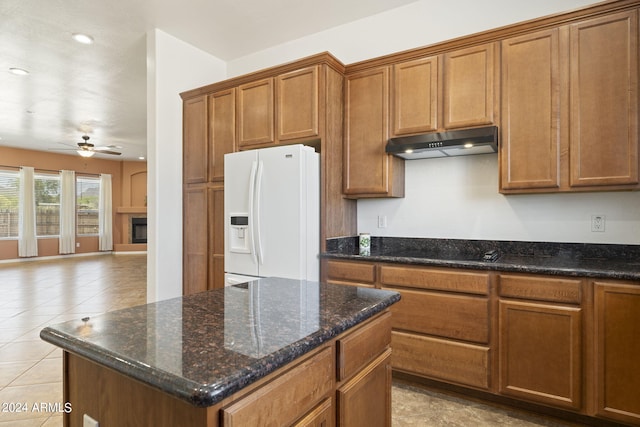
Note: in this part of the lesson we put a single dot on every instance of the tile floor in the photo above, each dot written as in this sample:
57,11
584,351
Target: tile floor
35,294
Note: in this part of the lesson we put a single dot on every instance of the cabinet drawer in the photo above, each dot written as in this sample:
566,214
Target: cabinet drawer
360,347
425,278
446,360
289,396
452,316
540,288
352,271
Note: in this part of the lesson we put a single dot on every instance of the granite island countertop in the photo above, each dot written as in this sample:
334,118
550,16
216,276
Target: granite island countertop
204,347
605,261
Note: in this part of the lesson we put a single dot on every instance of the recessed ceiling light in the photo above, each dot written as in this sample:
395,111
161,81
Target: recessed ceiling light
18,71
82,38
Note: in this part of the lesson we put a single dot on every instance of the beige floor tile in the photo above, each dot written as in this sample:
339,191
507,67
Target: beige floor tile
25,350
45,371
31,422
54,421
9,371
31,397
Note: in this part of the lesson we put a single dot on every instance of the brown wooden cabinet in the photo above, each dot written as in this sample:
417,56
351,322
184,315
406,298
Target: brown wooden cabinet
256,113
222,131
195,240
531,100
540,340
470,87
617,350
195,142
415,96
570,107
368,170
298,104
604,101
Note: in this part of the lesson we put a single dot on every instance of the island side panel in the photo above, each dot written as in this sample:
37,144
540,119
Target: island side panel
115,400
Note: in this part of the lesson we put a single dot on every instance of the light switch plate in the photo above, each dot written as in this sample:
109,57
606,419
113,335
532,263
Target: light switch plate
87,421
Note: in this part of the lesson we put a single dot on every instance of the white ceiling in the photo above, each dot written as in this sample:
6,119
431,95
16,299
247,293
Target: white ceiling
100,89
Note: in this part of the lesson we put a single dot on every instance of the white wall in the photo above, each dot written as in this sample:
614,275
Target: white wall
458,197
172,67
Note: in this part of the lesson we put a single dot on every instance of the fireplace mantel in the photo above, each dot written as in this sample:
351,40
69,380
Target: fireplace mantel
131,210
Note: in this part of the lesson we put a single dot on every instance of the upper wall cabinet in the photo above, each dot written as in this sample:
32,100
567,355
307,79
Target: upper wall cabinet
222,130
297,102
195,143
530,143
572,89
454,90
255,113
283,109
368,170
604,101
470,84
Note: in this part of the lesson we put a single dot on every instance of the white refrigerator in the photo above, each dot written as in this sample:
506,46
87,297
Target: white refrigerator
272,214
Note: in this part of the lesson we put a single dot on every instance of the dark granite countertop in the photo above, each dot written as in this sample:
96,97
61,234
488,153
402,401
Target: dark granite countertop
204,347
605,261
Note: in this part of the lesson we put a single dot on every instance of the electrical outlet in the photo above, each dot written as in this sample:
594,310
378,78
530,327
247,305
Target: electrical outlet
382,221
77,244
87,421
598,223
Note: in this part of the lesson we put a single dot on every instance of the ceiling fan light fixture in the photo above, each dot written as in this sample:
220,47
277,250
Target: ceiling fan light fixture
82,38
85,153
18,71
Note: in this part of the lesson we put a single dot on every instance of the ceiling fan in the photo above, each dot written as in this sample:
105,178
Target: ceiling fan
87,149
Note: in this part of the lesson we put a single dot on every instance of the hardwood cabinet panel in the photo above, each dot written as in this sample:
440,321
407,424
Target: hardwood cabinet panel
446,360
617,330
469,85
415,96
366,399
368,170
222,122
339,271
282,401
216,237
297,102
540,288
604,100
436,279
195,240
194,116
362,346
541,353
320,416
446,315
530,137
255,113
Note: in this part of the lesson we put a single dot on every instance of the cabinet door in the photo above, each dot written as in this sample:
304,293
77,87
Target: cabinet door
415,96
194,116
216,237
366,399
617,352
530,138
369,171
297,101
195,254
222,119
604,101
541,353
321,416
469,85
255,113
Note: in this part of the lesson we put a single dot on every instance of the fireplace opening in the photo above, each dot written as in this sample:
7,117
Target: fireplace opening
138,230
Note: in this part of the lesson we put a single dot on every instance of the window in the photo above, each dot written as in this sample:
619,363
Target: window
47,191
87,199
9,195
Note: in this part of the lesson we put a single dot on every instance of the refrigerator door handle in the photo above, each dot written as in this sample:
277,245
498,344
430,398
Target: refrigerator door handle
258,192
252,185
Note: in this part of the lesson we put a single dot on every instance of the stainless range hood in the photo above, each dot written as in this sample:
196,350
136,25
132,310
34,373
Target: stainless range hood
463,142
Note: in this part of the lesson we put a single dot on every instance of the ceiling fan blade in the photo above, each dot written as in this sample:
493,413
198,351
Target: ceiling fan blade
115,153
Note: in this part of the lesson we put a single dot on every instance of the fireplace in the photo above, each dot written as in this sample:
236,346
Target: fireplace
138,230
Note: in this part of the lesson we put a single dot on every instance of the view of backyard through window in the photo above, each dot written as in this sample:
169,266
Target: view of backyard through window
47,194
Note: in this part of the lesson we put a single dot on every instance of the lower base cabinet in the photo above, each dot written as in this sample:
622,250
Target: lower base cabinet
541,353
560,343
617,355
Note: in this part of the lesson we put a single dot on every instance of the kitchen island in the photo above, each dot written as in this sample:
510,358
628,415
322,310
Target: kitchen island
268,352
